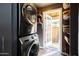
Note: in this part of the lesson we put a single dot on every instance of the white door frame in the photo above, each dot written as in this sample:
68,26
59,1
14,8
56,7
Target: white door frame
60,10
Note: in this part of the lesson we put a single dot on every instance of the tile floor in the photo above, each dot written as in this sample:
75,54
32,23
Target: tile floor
49,52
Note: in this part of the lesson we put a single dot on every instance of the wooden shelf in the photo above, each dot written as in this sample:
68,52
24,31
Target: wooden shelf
66,23
66,9
65,26
66,12
64,54
66,29
66,5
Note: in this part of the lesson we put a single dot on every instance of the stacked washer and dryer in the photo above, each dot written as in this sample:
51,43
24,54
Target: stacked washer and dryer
28,37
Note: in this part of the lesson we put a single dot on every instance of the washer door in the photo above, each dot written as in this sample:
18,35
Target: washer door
30,48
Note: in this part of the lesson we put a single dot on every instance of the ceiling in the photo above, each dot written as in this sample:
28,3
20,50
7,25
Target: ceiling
43,4
46,6
54,13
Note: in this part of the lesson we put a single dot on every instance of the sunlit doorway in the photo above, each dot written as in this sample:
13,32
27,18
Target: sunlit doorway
52,32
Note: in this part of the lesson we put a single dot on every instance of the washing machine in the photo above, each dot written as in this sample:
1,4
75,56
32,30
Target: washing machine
28,37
